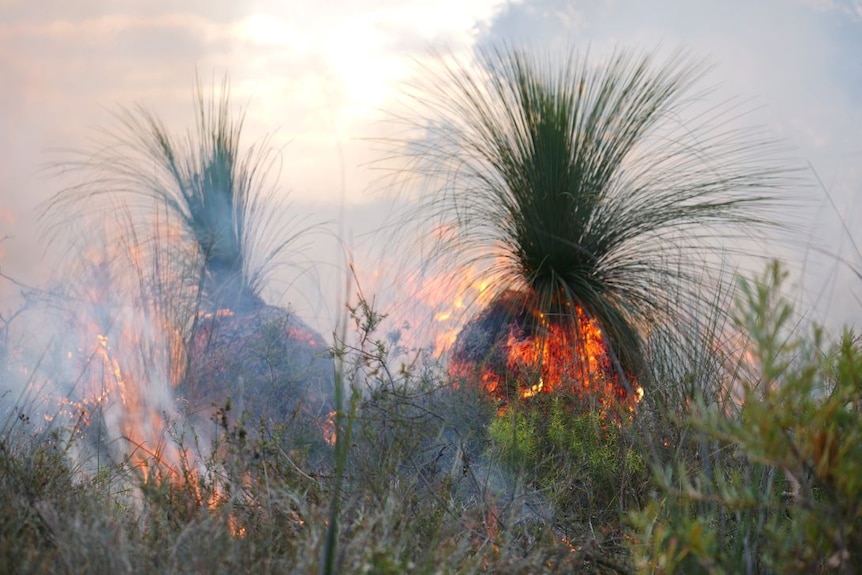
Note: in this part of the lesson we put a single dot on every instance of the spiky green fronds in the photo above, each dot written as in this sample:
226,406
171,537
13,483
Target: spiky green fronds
576,181
203,184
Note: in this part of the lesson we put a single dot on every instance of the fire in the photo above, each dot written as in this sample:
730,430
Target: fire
151,451
123,359
328,428
533,390
538,353
219,314
140,423
128,337
559,355
471,287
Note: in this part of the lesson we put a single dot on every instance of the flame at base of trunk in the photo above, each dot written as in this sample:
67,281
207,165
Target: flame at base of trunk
514,352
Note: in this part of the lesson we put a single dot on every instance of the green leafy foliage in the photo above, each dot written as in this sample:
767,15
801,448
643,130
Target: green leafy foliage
779,488
590,468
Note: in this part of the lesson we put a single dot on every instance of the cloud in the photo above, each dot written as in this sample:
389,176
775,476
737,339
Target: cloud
322,79
851,8
317,78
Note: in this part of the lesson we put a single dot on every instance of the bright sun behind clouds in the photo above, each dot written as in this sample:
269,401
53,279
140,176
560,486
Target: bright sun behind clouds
362,53
270,30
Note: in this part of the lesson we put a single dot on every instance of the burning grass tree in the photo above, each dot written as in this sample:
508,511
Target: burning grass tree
577,189
202,223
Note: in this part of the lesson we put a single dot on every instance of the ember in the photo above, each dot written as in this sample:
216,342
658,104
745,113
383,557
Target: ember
328,428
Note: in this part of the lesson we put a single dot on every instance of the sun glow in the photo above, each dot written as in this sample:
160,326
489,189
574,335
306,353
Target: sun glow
269,30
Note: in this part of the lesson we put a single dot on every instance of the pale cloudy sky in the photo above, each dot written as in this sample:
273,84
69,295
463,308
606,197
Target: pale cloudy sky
321,77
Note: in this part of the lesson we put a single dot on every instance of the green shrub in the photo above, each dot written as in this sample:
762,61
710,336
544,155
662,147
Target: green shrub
779,489
588,465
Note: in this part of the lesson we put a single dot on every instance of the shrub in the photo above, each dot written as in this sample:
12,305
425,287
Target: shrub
588,465
779,488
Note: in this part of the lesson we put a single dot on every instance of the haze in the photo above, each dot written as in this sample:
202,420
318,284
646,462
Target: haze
322,78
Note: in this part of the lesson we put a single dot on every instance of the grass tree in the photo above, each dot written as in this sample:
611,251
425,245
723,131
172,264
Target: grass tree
200,218
577,184
202,185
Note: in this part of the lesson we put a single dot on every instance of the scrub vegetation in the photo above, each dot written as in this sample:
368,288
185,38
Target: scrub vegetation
692,422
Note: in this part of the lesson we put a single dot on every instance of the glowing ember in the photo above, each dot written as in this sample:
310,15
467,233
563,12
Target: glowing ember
328,428
219,313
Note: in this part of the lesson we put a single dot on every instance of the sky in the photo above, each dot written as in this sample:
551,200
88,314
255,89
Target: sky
322,79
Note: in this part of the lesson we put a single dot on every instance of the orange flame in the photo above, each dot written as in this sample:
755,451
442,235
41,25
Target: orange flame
328,428
140,422
152,453
219,314
126,358
561,353
470,287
